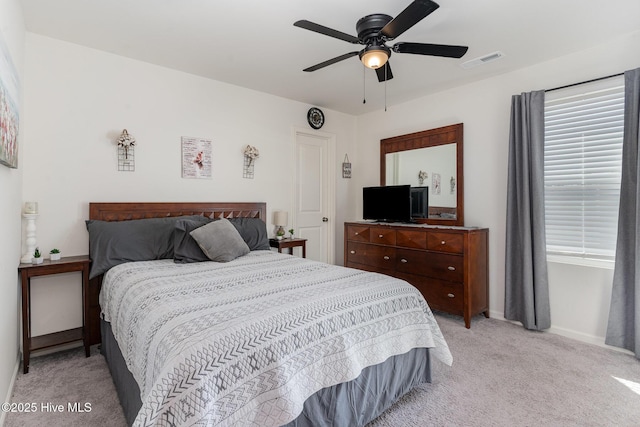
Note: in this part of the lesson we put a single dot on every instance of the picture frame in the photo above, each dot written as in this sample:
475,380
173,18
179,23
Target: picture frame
196,158
9,109
346,167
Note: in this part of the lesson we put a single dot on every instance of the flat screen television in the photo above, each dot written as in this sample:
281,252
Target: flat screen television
419,202
391,203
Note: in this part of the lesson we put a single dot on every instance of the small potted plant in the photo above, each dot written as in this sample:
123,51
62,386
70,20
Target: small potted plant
37,256
55,254
291,233
279,233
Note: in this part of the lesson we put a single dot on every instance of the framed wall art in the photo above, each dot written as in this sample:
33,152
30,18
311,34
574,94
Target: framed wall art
435,183
9,111
346,167
196,158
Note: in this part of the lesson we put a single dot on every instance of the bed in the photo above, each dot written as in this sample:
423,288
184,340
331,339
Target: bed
259,339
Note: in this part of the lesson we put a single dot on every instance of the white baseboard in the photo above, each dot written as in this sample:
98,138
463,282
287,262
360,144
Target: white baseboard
568,333
586,338
12,383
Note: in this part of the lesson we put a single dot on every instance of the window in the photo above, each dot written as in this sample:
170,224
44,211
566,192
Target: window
582,168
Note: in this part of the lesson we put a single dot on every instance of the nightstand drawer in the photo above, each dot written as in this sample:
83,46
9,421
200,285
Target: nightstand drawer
289,243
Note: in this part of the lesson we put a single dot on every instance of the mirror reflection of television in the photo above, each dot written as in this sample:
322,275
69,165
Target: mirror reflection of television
419,202
391,203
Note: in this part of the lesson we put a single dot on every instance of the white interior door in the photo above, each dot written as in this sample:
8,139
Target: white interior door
314,193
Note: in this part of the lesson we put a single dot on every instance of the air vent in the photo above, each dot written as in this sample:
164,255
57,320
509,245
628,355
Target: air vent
482,60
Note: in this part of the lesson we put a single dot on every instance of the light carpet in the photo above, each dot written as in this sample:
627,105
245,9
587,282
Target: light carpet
502,375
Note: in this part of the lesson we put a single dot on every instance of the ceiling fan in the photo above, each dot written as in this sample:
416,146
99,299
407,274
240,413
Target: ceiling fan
377,29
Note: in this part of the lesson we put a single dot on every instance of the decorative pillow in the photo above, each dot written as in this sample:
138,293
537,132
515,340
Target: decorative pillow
253,232
116,242
220,241
185,247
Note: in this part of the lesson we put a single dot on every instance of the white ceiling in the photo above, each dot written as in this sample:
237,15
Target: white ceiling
254,44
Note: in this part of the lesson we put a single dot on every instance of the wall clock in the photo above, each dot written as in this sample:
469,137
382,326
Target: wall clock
315,117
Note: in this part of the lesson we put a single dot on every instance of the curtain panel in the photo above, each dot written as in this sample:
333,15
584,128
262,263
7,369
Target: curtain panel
623,328
526,277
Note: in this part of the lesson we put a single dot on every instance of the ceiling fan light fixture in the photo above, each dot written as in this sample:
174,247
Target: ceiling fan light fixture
375,56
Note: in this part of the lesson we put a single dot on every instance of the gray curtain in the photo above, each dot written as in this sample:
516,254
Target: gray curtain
526,278
623,329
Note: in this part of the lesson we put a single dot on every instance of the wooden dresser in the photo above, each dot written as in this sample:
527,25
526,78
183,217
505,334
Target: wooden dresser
449,265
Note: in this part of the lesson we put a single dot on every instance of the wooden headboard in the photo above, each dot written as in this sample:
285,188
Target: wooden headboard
128,211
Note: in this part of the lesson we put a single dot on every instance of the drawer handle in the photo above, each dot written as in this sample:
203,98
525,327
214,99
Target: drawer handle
403,260
451,268
451,295
353,252
380,236
386,257
443,243
357,233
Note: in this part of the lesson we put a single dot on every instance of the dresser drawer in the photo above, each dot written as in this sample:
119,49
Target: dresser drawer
411,239
444,296
358,233
383,236
440,295
381,257
445,242
435,265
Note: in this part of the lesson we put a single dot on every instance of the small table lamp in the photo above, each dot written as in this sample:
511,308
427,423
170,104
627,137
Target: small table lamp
280,219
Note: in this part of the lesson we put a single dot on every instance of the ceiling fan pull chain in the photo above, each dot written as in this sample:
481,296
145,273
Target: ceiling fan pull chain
385,87
364,85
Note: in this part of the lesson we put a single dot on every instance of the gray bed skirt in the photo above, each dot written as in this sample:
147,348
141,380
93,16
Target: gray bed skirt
354,403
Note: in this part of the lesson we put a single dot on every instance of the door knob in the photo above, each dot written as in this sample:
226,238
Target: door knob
325,219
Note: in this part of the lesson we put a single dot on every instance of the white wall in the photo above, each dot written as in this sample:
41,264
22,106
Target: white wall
78,100
13,33
579,295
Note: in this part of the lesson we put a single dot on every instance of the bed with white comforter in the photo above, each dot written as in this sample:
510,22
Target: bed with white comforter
248,341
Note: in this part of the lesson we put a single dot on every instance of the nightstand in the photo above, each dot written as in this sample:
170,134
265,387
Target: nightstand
48,267
289,244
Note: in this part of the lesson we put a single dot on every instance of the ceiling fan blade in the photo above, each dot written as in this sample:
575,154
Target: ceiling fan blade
331,61
448,51
414,13
311,26
384,72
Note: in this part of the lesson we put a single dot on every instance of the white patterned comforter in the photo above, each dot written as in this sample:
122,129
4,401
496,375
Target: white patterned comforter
246,342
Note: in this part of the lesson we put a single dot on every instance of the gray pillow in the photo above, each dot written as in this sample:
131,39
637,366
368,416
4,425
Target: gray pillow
220,241
253,232
116,242
185,247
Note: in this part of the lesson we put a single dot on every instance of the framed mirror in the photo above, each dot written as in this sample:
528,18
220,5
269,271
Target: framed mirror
431,158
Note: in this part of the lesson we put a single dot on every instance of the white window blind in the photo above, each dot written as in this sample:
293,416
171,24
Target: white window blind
582,168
